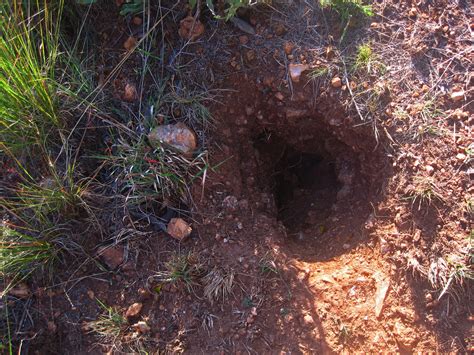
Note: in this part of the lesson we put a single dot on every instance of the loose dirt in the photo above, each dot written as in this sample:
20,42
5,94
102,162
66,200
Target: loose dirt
298,207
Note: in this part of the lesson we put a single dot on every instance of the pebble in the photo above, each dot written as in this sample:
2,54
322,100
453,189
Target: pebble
178,135
296,70
130,92
112,256
142,327
133,310
178,228
457,95
91,294
279,96
288,47
461,156
137,21
130,43
21,290
308,319
336,82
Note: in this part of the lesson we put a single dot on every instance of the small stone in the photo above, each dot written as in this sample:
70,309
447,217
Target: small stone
243,40
190,28
279,29
250,55
130,43
417,235
178,136
21,290
428,298
90,294
336,82
112,256
130,93
457,95
179,228
288,47
461,156
308,319
137,21
133,310
279,96
429,169
412,12
296,70
142,327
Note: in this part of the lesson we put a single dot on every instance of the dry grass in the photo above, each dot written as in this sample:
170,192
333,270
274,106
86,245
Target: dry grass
218,284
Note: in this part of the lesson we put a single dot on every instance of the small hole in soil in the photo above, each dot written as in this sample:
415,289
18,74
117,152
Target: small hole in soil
304,184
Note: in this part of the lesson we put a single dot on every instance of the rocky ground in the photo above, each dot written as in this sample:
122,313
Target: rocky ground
338,205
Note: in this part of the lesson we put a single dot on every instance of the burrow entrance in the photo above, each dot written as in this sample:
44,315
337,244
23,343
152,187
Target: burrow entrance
302,179
305,161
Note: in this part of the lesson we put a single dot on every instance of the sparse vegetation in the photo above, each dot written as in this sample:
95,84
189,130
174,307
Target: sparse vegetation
347,8
218,284
22,253
181,270
109,326
424,191
79,170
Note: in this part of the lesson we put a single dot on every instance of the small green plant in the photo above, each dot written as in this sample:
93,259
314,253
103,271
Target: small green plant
344,333
231,6
267,265
364,57
181,270
110,325
28,55
129,7
318,73
132,7
22,253
424,190
348,8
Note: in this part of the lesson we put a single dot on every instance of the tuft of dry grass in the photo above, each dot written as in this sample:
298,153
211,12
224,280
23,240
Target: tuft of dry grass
218,284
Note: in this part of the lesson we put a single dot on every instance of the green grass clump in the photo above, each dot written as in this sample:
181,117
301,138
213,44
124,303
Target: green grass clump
41,83
181,270
157,173
231,6
364,56
348,8
110,325
22,253
28,54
